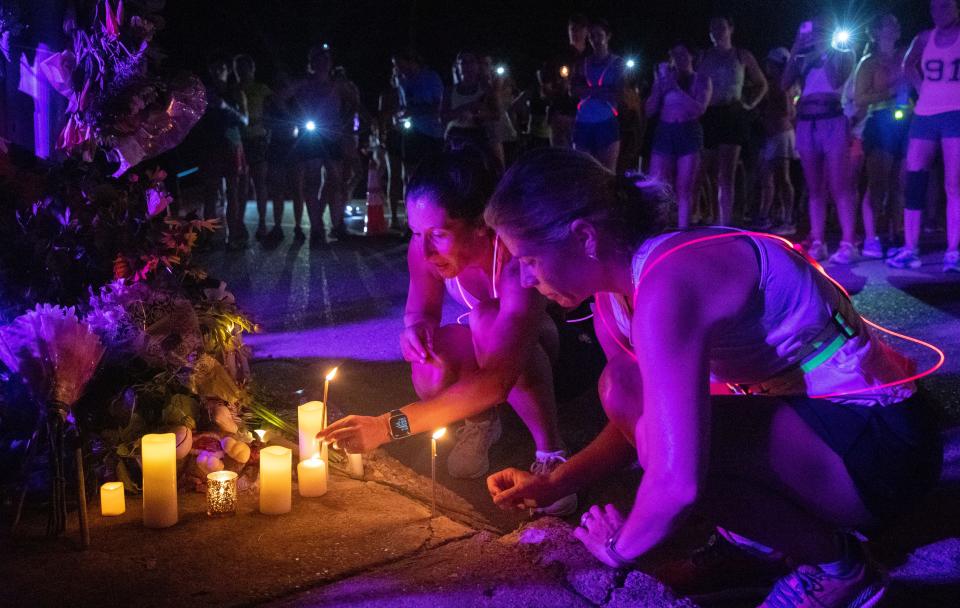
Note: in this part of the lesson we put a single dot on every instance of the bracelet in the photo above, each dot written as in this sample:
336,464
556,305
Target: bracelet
610,545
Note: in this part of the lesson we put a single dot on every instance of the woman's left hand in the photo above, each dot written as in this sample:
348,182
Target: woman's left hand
596,527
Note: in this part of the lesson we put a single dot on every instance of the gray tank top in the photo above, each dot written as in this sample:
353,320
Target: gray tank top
727,73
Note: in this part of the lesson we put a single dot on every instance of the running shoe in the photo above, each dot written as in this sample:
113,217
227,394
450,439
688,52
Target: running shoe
818,251
906,257
469,458
872,248
845,254
545,463
859,586
951,261
722,570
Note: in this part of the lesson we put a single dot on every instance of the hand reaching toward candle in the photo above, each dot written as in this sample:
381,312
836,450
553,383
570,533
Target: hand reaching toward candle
515,489
357,434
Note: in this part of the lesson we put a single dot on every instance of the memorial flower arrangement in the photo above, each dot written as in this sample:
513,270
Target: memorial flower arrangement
155,343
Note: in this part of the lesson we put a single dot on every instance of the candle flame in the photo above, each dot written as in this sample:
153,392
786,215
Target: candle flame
437,434
332,374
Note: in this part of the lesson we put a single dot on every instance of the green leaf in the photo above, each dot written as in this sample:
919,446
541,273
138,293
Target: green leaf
181,409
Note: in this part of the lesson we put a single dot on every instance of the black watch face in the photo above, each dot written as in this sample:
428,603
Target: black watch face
399,426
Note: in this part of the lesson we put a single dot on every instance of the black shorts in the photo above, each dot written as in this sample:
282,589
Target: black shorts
894,454
725,125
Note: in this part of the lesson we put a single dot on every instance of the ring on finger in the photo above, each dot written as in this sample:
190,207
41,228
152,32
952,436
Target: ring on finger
587,516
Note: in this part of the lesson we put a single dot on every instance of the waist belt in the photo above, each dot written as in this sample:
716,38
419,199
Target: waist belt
823,346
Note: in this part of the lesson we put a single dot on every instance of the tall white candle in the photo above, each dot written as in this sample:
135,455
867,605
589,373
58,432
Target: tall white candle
437,434
355,465
159,454
112,500
312,477
310,418
276,484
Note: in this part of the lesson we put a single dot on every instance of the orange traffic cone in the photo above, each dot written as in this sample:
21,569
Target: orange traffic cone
376,222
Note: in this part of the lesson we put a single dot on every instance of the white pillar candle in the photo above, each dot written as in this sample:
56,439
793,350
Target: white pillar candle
355,465
312,477
276,483
112,500
159,454
310,417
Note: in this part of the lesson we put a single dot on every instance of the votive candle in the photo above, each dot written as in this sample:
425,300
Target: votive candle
355,465
221,493
112,499
312,477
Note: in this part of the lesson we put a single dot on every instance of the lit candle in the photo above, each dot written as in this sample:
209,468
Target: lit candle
112,500
221,493
276,484
261,433
355,465
312,477
159,454
326,389
437,434
310,421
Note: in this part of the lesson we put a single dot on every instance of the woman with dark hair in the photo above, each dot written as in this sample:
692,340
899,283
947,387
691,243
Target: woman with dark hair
726,125
598,82
463,372
679,96
824,436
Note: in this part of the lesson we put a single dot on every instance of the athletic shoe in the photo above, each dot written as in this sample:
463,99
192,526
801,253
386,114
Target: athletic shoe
545,463
860,586
872,248
785,229
905,258
469,458
723,570
951,261
846,254
817,251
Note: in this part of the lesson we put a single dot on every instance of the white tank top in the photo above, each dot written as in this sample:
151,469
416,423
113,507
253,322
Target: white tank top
818,82
940,89
795,304
458,99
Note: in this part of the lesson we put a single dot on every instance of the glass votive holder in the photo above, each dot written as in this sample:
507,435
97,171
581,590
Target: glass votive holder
221,493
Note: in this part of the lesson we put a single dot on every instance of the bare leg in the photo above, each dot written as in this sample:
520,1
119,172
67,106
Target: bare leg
311,177
951,183
688,181
608,156
258,173
785,191
813,172
920,155
838,176
727,159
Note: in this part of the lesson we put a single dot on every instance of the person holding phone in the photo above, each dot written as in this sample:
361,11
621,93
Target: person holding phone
933,66
823,133
680,96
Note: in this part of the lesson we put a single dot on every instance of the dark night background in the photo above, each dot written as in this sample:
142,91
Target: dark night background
364,32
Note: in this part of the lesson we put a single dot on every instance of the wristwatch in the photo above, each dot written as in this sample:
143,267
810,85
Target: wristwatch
610,545
399,425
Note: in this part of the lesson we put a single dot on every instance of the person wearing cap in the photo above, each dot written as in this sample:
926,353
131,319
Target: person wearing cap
777,113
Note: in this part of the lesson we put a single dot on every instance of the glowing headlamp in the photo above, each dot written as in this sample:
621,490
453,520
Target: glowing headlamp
310,125
501,70
899,114
842,39
631,63
407,123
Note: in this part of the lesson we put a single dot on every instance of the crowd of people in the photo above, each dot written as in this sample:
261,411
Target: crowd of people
768,145
739,375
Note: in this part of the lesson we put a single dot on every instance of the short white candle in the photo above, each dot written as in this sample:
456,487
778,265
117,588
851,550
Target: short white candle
310,417
112,500
355,465
159,455
276,484
312,477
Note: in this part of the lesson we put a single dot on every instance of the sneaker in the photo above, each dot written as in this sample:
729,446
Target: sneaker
545,463
723,570
845,254
872,248
860,586
469,458
817,251
951,261
905,258
785,229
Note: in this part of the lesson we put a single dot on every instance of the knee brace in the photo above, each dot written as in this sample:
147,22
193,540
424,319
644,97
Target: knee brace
915,190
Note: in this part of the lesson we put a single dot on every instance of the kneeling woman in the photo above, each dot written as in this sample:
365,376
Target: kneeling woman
462,372
809,450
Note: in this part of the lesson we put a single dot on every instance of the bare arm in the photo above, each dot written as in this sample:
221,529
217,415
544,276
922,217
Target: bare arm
757,79
839,67
868,90
911,62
